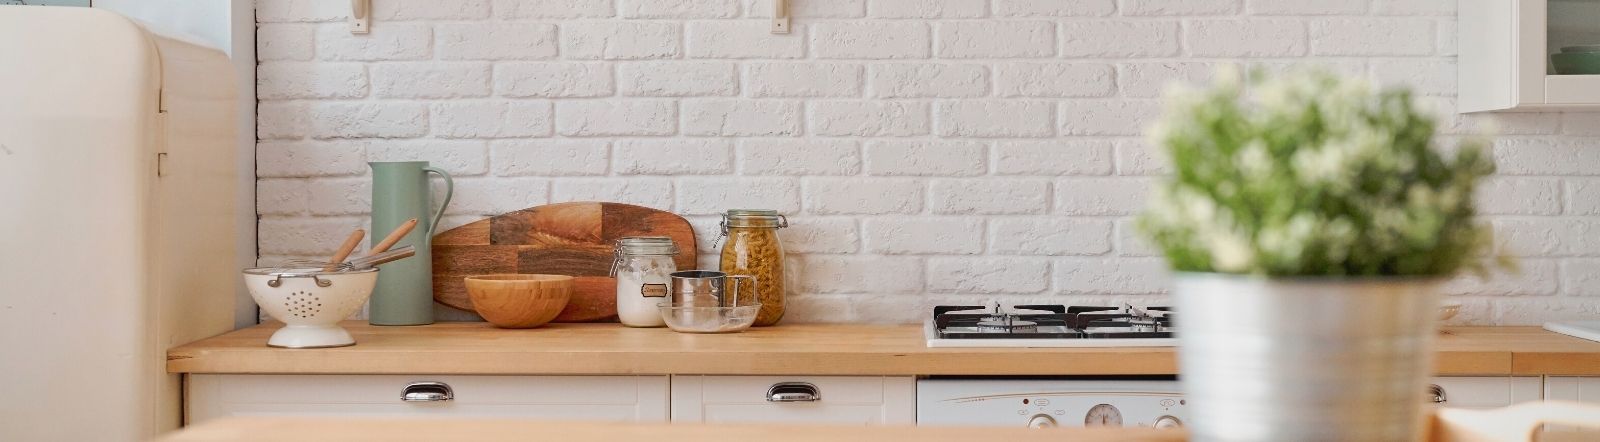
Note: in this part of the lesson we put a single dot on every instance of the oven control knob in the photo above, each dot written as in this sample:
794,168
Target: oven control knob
1042,420
1167,422
1103,415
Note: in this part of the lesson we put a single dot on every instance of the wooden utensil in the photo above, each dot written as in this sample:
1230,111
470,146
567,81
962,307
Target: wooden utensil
370,261
345,249
394,237
572,239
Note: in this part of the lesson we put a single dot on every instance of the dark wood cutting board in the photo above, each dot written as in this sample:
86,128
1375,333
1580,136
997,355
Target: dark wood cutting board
573,239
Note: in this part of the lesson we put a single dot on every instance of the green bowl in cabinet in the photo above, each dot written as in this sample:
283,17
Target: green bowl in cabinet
1576,63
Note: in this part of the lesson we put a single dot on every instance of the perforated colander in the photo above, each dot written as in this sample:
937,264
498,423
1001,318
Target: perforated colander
310,302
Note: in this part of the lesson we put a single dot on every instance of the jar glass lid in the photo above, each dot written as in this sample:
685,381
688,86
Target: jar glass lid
753,218
646,245
751,212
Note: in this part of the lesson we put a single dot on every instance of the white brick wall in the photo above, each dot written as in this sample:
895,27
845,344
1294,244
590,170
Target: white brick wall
804,79
929,80
927,151
280,119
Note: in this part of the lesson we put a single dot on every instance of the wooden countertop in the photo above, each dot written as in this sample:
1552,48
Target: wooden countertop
309,429
390,430
803,349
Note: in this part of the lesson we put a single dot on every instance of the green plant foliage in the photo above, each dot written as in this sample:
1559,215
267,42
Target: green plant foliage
1311,174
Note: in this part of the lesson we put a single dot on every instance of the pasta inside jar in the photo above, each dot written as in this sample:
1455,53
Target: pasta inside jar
753,249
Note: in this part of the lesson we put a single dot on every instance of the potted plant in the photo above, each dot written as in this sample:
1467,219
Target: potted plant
1309,221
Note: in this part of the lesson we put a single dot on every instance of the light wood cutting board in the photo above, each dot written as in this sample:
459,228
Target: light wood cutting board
572,239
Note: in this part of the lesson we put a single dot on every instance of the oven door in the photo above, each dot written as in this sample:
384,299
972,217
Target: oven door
1049,403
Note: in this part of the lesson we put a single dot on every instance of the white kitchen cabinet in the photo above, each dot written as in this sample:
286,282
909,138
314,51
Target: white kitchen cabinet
609,398
1487,391
861,400
1505,47
1576,389
1571,388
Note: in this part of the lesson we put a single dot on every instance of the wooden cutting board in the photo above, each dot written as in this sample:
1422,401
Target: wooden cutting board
573,239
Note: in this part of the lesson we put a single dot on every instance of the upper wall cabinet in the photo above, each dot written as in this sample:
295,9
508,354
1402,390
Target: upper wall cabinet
1529,55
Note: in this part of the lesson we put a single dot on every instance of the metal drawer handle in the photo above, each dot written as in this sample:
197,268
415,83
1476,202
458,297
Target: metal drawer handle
793,392
427,392
1436,394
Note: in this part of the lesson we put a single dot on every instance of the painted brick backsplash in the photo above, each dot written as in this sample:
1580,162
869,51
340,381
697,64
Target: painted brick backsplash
926,151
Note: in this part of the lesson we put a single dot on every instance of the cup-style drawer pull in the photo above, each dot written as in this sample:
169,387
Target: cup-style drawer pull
427,392
1436,394
793,392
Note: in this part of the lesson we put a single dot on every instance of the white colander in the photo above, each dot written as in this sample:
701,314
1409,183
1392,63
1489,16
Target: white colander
310,302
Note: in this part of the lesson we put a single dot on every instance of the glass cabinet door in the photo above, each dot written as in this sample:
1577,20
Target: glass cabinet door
1573,37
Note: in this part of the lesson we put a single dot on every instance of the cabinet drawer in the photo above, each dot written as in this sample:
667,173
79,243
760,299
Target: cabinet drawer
615,398
1575,389
1488,391
865,400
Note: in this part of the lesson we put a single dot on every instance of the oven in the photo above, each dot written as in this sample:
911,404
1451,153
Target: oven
1051,402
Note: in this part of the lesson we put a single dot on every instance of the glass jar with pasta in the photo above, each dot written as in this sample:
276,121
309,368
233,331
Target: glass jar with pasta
753,249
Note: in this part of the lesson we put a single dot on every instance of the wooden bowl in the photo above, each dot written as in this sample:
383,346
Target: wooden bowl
519,301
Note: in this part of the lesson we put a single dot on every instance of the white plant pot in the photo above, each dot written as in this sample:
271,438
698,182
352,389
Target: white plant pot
1305,359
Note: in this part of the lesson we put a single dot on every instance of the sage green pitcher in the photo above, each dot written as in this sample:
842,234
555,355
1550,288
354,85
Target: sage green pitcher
400,192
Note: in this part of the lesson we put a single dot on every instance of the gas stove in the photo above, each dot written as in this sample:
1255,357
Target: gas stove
1050,326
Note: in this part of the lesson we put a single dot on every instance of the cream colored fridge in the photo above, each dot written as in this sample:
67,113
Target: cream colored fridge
117,176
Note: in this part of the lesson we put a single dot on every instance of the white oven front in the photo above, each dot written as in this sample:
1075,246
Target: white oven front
1050,403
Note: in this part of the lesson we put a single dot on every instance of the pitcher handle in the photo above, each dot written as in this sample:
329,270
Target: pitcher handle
449,190
738,289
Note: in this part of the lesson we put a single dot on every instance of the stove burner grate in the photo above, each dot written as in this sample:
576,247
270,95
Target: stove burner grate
1052,322
1007,324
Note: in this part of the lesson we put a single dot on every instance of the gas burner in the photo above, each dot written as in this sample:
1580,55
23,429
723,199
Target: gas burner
1007,324
1143,325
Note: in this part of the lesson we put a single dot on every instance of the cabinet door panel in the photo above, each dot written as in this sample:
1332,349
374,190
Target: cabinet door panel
1572,89
1576,389
1488,391
614,398
859,414
859,400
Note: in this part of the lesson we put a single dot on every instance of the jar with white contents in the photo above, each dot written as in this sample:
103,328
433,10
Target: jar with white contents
643,269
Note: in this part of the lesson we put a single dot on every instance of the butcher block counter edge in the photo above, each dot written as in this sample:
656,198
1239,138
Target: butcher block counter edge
310,429
389,430
801,349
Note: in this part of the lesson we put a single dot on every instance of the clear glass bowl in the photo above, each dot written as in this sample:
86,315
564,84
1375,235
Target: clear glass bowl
710,319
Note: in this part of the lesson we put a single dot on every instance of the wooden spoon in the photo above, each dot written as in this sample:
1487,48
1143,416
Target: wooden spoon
394,237
345,249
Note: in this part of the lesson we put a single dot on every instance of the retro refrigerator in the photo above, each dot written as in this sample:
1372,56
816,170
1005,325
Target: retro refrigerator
117,181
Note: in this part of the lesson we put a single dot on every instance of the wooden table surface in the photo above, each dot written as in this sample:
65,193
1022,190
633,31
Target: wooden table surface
802,349
489,430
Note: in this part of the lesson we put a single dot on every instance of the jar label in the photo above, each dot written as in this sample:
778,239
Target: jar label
653,290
